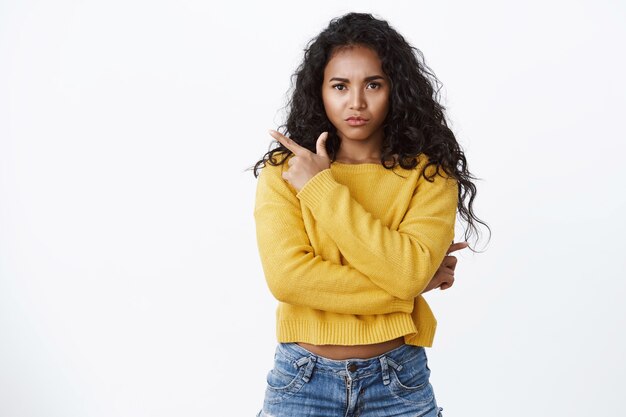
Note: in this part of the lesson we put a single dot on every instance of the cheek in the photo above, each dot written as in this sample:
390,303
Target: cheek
382,105
331,107
326,103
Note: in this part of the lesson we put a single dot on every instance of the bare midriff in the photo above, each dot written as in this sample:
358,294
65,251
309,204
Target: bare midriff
341,352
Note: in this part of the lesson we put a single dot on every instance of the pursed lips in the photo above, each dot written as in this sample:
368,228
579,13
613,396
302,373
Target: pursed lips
356,121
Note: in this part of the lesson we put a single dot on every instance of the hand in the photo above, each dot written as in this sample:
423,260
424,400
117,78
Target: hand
305,164
444,277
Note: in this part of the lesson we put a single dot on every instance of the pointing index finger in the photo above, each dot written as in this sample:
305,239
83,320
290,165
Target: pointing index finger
287,142
456,246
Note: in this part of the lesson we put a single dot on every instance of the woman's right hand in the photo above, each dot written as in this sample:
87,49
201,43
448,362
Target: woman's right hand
444,277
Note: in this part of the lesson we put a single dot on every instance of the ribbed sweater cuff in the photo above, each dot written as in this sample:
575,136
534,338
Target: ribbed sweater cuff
314,191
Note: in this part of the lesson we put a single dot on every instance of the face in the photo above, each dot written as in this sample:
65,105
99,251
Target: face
355,87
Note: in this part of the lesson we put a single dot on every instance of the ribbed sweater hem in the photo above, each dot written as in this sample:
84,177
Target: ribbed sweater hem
319,333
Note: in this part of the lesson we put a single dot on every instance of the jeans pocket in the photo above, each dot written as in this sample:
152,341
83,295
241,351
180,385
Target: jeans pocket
410,382
287,378
420,394
282,378
409,378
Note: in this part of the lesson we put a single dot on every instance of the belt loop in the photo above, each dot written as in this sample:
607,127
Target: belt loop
385,369
385,363
309,369
394,365
310,361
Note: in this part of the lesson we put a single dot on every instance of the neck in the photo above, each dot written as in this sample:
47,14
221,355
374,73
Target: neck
359,151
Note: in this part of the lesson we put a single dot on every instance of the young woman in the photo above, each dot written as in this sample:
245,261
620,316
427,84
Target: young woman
355,213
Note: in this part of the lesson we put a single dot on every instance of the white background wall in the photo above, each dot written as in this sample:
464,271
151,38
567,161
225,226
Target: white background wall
130,283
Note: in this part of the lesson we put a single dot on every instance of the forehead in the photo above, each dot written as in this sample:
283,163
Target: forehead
353,60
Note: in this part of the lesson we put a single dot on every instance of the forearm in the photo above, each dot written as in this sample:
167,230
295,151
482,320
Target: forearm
403,261
295,274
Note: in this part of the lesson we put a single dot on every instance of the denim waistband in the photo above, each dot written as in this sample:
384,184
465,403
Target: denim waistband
393,358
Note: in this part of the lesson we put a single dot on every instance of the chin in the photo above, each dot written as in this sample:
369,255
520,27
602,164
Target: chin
358,133
362,137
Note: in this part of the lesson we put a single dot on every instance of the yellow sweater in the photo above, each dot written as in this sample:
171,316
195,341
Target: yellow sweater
348,256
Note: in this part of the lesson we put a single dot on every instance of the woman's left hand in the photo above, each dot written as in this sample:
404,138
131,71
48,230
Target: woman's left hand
305,164
444,277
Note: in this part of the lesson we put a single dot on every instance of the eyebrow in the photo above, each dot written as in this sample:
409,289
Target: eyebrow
370,78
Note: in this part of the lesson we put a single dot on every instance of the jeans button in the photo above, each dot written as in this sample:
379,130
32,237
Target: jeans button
352,367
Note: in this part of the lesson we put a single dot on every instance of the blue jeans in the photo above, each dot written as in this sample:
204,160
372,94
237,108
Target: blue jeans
395,383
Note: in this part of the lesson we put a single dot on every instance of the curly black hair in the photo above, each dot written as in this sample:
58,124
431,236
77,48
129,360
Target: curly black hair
415,123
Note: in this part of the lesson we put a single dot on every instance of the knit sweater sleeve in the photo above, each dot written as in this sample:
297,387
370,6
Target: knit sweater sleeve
295,274
401,261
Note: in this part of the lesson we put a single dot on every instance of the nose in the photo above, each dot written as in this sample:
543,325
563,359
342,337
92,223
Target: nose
357,99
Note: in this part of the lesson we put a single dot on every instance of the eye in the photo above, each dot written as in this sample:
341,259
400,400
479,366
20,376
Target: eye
375,84
337,87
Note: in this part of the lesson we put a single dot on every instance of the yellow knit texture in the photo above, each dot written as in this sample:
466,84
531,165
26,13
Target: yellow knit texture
349,255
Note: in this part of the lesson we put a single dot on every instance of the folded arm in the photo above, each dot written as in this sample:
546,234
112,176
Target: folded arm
294,273
402,261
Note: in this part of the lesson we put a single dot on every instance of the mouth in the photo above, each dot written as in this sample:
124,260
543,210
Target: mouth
356,121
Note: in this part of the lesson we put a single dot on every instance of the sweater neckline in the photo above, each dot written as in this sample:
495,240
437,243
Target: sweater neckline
365,166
